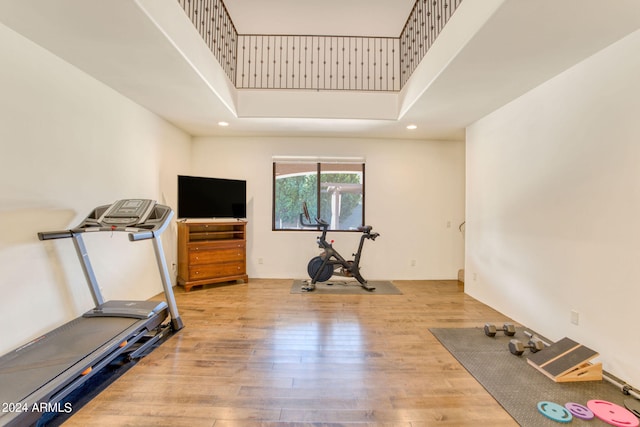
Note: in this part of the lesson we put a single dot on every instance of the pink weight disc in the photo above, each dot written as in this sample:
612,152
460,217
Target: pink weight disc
613,414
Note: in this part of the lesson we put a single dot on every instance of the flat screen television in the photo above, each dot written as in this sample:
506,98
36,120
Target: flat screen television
201,197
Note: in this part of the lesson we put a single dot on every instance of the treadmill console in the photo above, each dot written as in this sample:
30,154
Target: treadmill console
128,212
141,218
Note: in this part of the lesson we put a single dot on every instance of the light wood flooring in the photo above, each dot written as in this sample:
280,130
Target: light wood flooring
255,355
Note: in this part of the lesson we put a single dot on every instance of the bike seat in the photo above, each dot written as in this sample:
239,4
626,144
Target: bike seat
365,228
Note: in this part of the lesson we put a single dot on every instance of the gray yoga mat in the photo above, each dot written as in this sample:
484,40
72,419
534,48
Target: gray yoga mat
346,287
515,384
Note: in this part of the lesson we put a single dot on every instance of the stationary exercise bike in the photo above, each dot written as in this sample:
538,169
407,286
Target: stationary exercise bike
330,262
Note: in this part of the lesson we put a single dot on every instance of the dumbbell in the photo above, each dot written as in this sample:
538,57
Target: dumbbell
508,329
517,347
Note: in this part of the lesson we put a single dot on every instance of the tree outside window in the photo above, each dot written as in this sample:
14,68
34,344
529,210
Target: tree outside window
332,191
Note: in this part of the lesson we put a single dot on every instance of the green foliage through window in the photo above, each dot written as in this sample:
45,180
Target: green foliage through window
332,191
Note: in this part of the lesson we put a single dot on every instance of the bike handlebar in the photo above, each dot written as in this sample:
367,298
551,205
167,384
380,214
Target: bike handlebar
324,226
320,224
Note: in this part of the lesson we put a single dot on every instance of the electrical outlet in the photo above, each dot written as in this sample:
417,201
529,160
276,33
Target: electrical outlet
413,263
575,317
260,261
475,276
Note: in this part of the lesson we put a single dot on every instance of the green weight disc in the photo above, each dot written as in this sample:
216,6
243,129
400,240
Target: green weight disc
555,412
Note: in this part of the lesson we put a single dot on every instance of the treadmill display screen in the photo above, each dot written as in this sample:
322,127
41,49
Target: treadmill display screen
128,211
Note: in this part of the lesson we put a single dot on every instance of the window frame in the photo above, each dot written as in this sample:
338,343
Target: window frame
318,170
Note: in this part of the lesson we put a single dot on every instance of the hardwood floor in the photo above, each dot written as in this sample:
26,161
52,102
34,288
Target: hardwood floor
255,355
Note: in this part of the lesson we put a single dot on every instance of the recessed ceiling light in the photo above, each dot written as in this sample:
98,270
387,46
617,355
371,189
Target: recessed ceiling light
412,127
223,124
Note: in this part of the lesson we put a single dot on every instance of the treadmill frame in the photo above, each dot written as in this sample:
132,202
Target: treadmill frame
154,222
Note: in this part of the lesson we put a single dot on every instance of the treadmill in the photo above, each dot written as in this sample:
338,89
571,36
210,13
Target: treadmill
35,377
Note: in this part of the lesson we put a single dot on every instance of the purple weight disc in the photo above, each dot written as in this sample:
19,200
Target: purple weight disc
579,411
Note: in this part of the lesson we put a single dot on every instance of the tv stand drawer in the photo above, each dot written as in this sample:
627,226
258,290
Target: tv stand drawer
199,257
222,269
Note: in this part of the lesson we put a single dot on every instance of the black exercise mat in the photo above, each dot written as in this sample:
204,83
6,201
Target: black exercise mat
515,384
346,287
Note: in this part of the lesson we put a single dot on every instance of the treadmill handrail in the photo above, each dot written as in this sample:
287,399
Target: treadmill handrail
134,232
50,235
157,230
142,235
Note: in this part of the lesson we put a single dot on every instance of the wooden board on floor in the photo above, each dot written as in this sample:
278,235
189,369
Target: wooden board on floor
567,361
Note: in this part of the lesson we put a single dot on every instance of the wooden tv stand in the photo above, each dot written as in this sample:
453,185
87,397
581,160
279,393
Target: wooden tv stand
211,252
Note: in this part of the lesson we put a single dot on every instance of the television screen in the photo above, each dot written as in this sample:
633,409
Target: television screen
200,197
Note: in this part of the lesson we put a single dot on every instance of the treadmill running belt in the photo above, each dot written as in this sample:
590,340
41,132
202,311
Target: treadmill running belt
33,365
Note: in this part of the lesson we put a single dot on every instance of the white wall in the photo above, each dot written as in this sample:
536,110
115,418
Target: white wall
69,144
413,190
553,201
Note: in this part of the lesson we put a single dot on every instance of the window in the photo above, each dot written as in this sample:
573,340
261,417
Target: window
333,191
